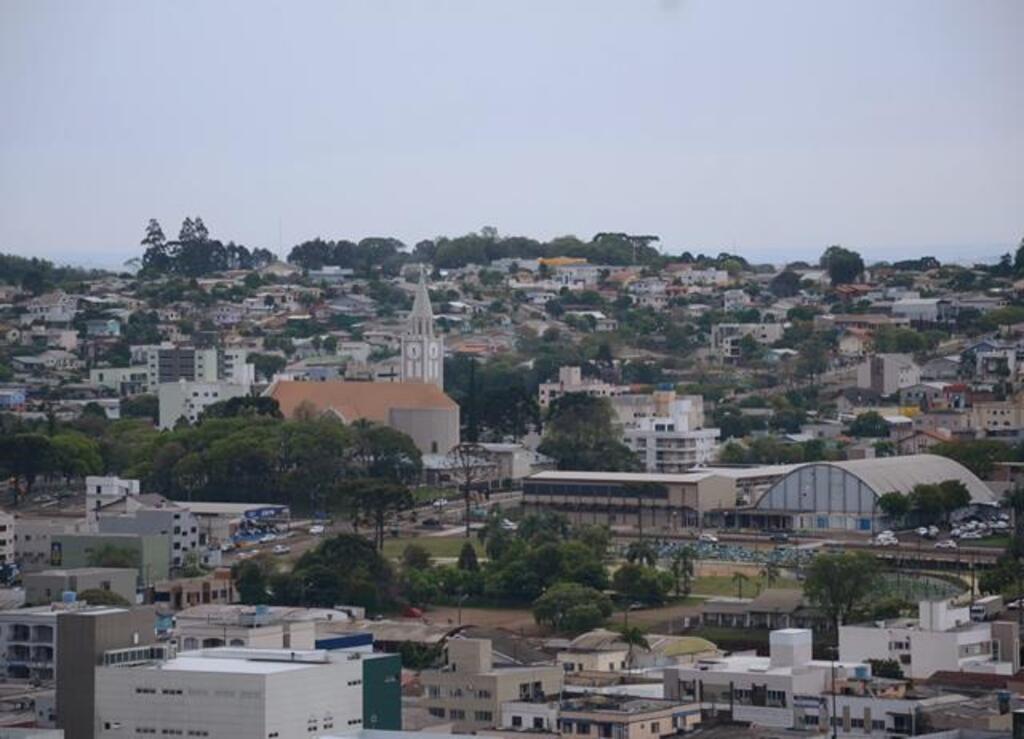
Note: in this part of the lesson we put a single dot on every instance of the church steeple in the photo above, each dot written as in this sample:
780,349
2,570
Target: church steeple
422,349
421,319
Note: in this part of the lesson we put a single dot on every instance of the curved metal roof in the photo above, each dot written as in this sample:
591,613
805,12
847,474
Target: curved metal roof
901,474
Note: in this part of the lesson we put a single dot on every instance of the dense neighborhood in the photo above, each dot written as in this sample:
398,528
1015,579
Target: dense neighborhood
494,485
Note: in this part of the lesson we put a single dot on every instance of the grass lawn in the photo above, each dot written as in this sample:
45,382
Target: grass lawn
438,546
1000,541
723,585
734,639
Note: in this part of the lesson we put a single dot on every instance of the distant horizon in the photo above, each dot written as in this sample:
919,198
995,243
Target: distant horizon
947,254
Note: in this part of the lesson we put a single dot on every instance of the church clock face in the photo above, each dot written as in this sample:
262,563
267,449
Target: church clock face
434,351
414,351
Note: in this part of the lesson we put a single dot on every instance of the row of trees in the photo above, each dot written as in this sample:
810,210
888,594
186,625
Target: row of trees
928,503
194,253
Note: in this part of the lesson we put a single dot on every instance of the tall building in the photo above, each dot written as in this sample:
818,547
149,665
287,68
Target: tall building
422,349
85,638
237,693
666,432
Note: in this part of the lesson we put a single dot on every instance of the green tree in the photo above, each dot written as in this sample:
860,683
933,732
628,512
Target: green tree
786,284
681,567
415,557
641,552
569,607
141,406
894,505
25,457
887,668
581,434
633,637
770,573
75,455
111,555
840,584
376,501
740,580
640,583
101,597
844,266
381,451
870,424
467,558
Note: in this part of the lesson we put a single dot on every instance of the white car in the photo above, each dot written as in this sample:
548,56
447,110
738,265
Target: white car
317,530
946,544
708,538
933,531
922,531
509,525
281,549
887,541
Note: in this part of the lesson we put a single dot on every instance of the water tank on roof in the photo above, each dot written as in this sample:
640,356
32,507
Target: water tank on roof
68,597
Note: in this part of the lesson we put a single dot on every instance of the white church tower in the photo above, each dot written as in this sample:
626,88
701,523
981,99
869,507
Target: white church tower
422,350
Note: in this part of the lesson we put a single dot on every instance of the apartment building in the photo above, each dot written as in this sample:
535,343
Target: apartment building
887,374
7,538
571,380
211,625
232,694
101,491
28,643
470,689
780,691
726,338
603,717
176,523
34,540
85,636
187,400
942,637
665,431
47,586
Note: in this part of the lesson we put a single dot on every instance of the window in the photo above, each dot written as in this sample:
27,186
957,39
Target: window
517,721
436,712
483,716
538,722
457,713
655,727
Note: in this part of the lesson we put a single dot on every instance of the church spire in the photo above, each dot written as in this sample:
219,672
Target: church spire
421,319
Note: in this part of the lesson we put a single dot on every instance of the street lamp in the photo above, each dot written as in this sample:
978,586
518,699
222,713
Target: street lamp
834,719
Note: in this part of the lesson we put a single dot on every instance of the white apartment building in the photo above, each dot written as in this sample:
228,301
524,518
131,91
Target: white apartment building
783,690
570,380
188,400
7,549
666,431
888,373
941,638
124,380
28,643
726,337
233,694
712,277
101,491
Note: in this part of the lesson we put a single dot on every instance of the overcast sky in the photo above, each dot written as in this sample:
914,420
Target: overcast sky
769,128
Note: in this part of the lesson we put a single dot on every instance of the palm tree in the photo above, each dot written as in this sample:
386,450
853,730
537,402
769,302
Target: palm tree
641,552
770,574
1014,500
681,567
739,578
633,636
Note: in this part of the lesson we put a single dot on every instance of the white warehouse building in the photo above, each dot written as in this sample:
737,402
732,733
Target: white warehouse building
234,694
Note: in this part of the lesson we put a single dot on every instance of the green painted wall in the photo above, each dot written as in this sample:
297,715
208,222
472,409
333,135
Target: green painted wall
382,692
152,552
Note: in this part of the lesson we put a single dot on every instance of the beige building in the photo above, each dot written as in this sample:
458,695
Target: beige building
48,586
469,691
419,409
655,501
603,717
570,380
263,627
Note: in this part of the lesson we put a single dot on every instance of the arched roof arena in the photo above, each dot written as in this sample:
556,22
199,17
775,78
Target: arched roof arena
854,486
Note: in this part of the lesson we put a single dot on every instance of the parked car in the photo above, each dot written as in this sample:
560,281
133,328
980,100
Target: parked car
946,544
281,549
708,538
317,530
780,537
